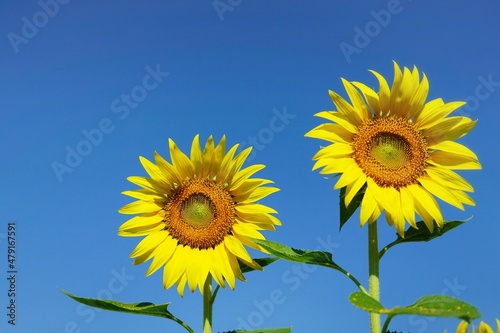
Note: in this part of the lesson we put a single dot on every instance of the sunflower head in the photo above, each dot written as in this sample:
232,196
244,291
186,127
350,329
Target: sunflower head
197,213
398,148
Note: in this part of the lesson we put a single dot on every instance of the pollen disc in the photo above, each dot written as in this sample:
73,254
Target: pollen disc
199,213
391,151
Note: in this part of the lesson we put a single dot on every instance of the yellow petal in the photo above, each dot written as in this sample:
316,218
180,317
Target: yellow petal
181,284
357,101
451,128
346,109
154,172
254,208
427,111
193,265
143,194
448,178
368,206
222,264
331,133
336,150
484,328
258,194
175,267
196,156
162,254
227,170
353,188
453,161
429,119
149,242
147,183
339,166
180,161
370,96
407,206
426,206
440,191
236,248
167,169
384,93
246,173
143,220
215,272
139,206
249,185
417,102
455,148
348,177
462,327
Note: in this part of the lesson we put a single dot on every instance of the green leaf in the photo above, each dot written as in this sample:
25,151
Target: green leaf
265,330
366,302
431,306
320,258
346,212
143,308
261,261
303,256
422,234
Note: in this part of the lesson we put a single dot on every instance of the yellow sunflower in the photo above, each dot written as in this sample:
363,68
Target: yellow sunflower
197,214
397,148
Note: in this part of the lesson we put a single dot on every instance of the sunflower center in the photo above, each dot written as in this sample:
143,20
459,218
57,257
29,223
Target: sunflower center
199,213
391,151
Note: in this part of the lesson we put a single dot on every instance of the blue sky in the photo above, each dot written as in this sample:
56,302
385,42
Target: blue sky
130,75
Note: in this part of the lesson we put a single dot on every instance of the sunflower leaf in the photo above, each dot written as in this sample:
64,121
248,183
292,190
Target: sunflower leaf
320,258
346,212
302,256
261,261
422,234
431,306
144,308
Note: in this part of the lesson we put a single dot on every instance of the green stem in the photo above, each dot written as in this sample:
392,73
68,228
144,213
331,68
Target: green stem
207,305
386,324
183,324
353,279
373,271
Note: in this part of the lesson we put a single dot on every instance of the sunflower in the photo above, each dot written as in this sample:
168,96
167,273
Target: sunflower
197,214
397,149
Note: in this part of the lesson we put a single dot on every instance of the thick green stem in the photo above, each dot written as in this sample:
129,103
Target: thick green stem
373,271
207,305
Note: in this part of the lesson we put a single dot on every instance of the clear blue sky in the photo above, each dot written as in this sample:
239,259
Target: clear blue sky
142,72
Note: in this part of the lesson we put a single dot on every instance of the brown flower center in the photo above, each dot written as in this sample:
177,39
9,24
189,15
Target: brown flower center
391,151
199,213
